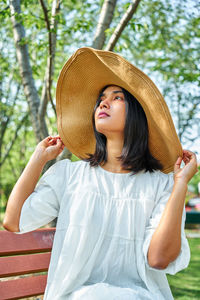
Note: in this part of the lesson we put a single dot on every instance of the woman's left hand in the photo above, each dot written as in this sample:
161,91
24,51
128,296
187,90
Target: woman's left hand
190,168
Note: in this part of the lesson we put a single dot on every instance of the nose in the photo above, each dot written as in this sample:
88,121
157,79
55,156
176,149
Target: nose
104,103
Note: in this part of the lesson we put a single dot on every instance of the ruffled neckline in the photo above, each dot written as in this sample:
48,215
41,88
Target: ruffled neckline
102,170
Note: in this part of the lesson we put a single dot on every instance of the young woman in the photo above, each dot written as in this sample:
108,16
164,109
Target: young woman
120,227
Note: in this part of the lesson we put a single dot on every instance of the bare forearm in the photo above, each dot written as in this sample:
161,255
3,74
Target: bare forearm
166,241
22,190
46,150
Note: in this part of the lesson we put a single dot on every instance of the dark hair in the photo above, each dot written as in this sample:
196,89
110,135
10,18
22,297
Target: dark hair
135,155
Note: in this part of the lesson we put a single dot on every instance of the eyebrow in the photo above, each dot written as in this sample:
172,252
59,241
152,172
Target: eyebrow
114,92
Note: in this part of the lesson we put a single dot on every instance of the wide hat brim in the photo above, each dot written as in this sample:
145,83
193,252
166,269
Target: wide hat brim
82,77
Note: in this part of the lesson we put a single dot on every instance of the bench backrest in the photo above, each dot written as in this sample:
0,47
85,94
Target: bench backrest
22,254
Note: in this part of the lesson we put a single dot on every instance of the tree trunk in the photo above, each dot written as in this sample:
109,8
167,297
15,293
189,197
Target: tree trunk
105,19
122,24
25,69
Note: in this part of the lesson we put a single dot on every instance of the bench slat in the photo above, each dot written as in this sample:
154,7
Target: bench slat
36,241
23,287
24,264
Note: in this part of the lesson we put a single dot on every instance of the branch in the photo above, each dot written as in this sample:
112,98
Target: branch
14,139
105,19
6,119
122,24
6,8
52,30
13,169
45,10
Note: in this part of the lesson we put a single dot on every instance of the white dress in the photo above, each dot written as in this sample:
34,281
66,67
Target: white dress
105,224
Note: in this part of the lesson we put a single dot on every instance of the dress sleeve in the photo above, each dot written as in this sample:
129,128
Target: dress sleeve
42,206
164,191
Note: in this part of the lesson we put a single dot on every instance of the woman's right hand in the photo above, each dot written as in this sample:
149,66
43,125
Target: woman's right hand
49,148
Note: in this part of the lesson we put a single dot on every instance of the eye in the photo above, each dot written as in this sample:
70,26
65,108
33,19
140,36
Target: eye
101,99
119,98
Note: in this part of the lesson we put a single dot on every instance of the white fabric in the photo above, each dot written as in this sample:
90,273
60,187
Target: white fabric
105,224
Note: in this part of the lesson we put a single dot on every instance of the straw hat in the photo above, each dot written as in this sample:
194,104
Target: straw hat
83,76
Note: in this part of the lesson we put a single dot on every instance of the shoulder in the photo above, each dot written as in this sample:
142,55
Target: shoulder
156,176
163,178
158,181
159,175
67,168
62,172
163,184
65,165
57,168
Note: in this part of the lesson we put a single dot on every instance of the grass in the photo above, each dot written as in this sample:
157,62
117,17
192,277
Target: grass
185,284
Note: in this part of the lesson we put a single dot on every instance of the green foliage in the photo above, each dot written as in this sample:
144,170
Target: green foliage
162,38
167,47
74,158
195,181
185,284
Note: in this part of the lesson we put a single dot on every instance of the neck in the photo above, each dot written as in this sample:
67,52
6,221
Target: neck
114,149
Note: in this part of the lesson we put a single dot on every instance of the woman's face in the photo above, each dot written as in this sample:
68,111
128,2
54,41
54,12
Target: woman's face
110,115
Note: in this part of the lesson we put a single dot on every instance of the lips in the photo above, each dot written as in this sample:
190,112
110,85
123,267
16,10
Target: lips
103,114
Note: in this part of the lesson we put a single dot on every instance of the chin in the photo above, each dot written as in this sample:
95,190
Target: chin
100,130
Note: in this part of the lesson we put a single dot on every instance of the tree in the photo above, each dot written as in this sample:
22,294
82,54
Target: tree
37,107
38,104
39,33
161,37
166,44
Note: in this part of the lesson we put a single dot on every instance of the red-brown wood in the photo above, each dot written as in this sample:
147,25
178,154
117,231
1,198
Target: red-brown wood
36,241
24,264
23,287
24,245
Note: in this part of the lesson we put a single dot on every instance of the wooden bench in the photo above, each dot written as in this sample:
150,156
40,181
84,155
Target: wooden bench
25,256
20,255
